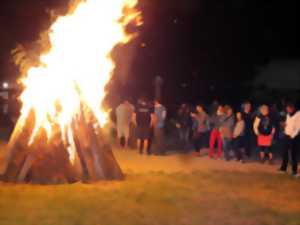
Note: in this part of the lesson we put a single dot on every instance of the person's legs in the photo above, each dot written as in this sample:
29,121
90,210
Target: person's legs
196,141
285,159
155,141
146,135
261,153
161,144
146,146
126,142
158,141
126,136
225,142
239,154
270,154
185,137
295,155
248,144
212,142
181,135
139,145
237,149
201,141
120,135
120,142
241,147
220,144
206,137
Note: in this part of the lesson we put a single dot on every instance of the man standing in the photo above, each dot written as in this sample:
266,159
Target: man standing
292,140
124,114
184,125
249,136
143,119
160,113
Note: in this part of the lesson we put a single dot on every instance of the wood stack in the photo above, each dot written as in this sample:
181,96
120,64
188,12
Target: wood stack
47,160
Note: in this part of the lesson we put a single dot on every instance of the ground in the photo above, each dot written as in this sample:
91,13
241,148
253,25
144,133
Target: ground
170,190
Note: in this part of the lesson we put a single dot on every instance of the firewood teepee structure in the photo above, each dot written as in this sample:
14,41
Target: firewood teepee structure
47,161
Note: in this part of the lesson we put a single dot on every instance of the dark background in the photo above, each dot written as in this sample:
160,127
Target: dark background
204,49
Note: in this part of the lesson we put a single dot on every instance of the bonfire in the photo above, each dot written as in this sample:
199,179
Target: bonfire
59,135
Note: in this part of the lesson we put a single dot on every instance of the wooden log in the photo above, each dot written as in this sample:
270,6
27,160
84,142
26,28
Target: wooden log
18,137
48,161
83,148
93,146
26,168
53,164
81,156
109,165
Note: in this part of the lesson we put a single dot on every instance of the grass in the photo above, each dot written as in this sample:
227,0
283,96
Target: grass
161,191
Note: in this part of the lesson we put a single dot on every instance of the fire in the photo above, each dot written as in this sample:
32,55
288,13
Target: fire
78,66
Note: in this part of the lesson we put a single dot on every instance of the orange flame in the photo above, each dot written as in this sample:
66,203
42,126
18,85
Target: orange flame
79,59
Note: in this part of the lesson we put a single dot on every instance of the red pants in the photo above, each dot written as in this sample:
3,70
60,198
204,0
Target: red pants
215,136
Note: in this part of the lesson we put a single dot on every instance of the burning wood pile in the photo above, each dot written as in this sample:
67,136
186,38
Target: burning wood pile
59,135
49,161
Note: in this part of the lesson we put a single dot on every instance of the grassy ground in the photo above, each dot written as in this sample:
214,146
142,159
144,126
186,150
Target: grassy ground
172,190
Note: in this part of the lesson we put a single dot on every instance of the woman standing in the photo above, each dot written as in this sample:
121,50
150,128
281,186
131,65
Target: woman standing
264,129
238,137
226,131
201,129
215,135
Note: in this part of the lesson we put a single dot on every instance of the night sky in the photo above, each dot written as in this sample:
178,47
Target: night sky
197,46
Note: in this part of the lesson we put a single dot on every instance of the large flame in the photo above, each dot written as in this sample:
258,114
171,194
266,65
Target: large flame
78,66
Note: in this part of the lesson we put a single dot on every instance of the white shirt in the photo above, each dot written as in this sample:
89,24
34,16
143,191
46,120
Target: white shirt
292,127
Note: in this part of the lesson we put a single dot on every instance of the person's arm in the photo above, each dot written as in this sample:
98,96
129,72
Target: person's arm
294,126
273,131
256,125
178,121
193,115
153,119
243,128
239,130
164,114
134,119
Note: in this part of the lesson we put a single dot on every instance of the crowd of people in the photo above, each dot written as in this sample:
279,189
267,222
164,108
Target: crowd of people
228,134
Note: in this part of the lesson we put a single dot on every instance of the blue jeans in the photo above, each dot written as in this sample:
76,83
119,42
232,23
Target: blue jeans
227,146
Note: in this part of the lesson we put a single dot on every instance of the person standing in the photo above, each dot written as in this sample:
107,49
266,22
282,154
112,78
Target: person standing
124,114
201,129
264,128
143,120
238,137
226,131
249,135
160,113
292,140
183,124
215,135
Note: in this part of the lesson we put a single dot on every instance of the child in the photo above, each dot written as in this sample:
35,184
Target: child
238,137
